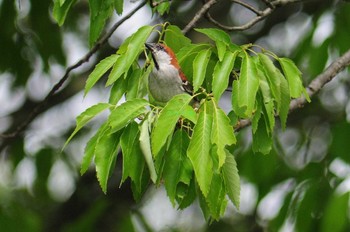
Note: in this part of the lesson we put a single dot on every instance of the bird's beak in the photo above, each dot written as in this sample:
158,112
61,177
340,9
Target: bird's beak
150,46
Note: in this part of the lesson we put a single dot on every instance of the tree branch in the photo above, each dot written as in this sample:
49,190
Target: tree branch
199,15
260,15
314,87
38,109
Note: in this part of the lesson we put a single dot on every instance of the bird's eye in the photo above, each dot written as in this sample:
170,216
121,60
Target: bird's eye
160,47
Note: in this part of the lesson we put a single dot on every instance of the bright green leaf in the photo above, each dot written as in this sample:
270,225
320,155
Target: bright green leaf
200,67
106,151
145,145
175,39
222,132
248,85
293,75
86,116
221,47
118,89
222,73
101,68
90,150
126,112
231,179
285,101
167,120
215,34
131,49
199,148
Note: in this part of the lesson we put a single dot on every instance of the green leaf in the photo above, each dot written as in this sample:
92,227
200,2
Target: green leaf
137,83
60,10
200,67
101,68
86,116
163,7
293,75
117,91
278,86
267,99
175,39
126,112
199,148
106,151
100,11
145,144
335,214
131,49
90,150
239,111
118,6
133,160
222,73
285,101
216,199
177,166
189,197
222,132
167,120
231,179
248,85
215,34
262,140
221,48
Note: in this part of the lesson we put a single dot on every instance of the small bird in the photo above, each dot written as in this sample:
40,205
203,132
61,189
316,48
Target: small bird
166,79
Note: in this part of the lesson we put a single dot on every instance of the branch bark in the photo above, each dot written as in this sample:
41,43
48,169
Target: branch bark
314,87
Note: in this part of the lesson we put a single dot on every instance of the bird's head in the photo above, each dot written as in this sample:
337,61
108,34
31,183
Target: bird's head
162,55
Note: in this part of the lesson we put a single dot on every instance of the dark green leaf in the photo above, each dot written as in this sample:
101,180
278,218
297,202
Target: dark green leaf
118,6
177,166
100,11
216,199
118,89
60,10
133,160
262,140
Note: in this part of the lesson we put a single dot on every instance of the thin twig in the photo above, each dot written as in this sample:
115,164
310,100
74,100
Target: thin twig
314,87
260,14
199,15
36,111
248,6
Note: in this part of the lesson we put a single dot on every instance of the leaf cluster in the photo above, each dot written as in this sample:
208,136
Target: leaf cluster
189,150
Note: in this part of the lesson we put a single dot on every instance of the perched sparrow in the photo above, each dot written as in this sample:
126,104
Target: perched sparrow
166,79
